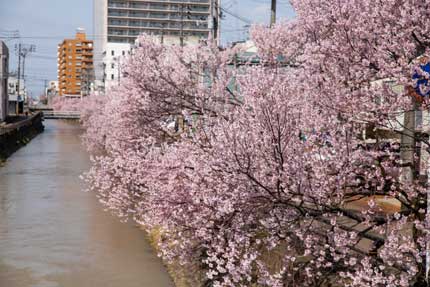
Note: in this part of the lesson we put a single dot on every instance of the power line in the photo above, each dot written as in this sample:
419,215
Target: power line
42,54
44,58
243,19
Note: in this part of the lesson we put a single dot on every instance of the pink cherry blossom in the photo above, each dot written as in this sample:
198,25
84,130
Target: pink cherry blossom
270,180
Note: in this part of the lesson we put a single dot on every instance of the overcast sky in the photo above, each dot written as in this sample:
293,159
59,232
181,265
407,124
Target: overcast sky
45,23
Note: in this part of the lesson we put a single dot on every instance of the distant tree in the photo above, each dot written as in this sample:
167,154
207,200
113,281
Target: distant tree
66,104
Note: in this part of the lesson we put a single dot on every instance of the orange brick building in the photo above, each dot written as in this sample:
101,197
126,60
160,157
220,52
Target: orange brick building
75,65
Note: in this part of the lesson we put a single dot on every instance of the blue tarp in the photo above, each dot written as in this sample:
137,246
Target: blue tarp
422,86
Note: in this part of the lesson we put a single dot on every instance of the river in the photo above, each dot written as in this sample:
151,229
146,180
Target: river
53,234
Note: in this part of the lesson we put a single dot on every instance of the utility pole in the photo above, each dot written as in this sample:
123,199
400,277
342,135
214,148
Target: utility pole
119,70
408,148
47,94
181,37
424,158
214,14
19,75
273,13
46,87
23,66
427,258
211,21
217,30
407,144
23,51
163,25
84,80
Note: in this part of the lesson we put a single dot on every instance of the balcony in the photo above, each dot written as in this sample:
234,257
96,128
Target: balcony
152,13
134,31
157,3
160,25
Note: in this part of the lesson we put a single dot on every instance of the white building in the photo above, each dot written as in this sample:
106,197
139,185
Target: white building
114,56
52,88
4,70
16,101
117,23
52,91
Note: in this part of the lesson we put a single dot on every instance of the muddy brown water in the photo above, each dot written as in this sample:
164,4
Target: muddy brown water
53,234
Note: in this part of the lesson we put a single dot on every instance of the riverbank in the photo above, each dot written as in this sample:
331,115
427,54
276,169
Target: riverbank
182,276
18,132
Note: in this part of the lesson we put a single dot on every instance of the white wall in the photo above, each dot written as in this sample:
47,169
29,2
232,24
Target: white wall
12,89
13,94
114,56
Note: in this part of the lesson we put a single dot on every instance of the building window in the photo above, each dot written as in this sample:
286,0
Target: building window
112,77
113,53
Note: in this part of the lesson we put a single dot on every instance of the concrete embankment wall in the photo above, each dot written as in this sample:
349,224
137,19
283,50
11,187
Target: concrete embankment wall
18,134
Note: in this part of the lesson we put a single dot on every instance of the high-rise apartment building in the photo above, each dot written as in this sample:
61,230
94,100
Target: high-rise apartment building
75,65
117,23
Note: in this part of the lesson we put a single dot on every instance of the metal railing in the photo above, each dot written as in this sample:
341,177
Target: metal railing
61,115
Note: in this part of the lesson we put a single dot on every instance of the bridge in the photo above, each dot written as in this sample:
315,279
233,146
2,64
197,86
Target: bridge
61,115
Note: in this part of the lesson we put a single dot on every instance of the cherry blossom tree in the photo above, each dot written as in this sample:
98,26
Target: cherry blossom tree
67,104
129,130
273,183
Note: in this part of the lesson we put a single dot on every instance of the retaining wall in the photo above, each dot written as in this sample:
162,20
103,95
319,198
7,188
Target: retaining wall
15,135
